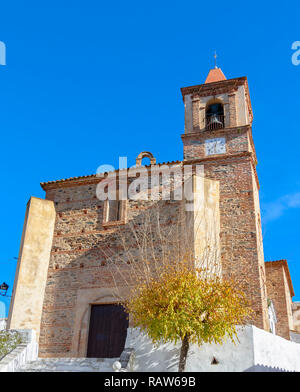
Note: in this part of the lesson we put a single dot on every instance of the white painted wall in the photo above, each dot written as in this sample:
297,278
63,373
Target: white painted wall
232,357
25,352
148,358
255,347
275,351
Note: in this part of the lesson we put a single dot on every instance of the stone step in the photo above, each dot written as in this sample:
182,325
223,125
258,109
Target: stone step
70,365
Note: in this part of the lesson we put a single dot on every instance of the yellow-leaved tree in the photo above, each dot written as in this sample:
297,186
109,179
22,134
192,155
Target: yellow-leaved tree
174,296
180,305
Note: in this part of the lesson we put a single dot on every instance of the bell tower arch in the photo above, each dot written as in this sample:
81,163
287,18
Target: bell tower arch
214,114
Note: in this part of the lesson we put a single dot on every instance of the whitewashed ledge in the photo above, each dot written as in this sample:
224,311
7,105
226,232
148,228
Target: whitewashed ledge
25,352
255,351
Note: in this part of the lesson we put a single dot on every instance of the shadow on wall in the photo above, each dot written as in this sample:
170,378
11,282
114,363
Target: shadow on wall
149,358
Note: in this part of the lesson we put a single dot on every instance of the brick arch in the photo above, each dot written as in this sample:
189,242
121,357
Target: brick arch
220,116
145,154
214,100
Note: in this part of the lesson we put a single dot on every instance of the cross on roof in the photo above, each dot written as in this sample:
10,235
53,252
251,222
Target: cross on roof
215,56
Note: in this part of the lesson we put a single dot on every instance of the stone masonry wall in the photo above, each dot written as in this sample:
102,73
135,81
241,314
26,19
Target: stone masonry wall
81,247
240,232
277,292
296,316
236,141
239,247
81,271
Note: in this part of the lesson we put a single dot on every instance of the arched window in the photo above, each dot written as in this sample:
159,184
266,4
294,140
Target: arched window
215,116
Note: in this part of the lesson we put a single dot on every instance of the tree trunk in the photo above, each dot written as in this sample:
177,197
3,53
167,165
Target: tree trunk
183,353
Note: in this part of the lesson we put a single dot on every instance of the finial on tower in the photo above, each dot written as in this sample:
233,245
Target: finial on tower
215,56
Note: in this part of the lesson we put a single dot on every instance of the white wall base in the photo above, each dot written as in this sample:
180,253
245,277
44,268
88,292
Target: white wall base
255,347
25,352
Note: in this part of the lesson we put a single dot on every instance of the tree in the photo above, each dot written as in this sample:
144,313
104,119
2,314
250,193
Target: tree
180,305
173,294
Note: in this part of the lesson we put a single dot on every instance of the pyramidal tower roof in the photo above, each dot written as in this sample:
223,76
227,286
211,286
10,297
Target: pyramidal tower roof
215,75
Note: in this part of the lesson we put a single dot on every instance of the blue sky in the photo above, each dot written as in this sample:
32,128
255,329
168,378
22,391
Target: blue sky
89,81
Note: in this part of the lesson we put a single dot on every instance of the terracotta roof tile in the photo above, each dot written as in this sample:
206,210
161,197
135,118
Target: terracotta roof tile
215,75
95,176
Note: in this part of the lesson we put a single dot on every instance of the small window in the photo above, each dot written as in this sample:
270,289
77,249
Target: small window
113,212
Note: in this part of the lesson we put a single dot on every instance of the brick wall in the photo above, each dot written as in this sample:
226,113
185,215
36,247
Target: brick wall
81,242
279,292
80,264
241,238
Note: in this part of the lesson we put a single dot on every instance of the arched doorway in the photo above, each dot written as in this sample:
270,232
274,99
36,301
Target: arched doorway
107,331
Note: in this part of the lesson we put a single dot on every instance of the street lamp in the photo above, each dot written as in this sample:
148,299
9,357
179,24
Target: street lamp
3,288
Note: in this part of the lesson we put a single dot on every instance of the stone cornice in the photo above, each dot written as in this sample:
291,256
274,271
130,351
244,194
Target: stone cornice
86,180
214,88
218,157
244,154
193,135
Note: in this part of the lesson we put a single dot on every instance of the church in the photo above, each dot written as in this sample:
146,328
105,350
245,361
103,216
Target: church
63,287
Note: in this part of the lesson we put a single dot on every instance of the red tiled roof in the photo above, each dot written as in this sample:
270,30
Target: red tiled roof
96,177
215,75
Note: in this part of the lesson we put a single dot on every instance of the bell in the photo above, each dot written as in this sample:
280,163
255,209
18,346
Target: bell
214,120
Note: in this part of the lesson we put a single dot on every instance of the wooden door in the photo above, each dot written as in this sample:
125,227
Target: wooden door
107,332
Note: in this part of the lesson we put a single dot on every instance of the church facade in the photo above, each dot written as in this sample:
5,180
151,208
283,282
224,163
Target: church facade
63,285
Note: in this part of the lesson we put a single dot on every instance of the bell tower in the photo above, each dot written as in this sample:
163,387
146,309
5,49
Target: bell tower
218,135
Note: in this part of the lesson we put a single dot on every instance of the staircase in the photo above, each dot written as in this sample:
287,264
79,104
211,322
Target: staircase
70,365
